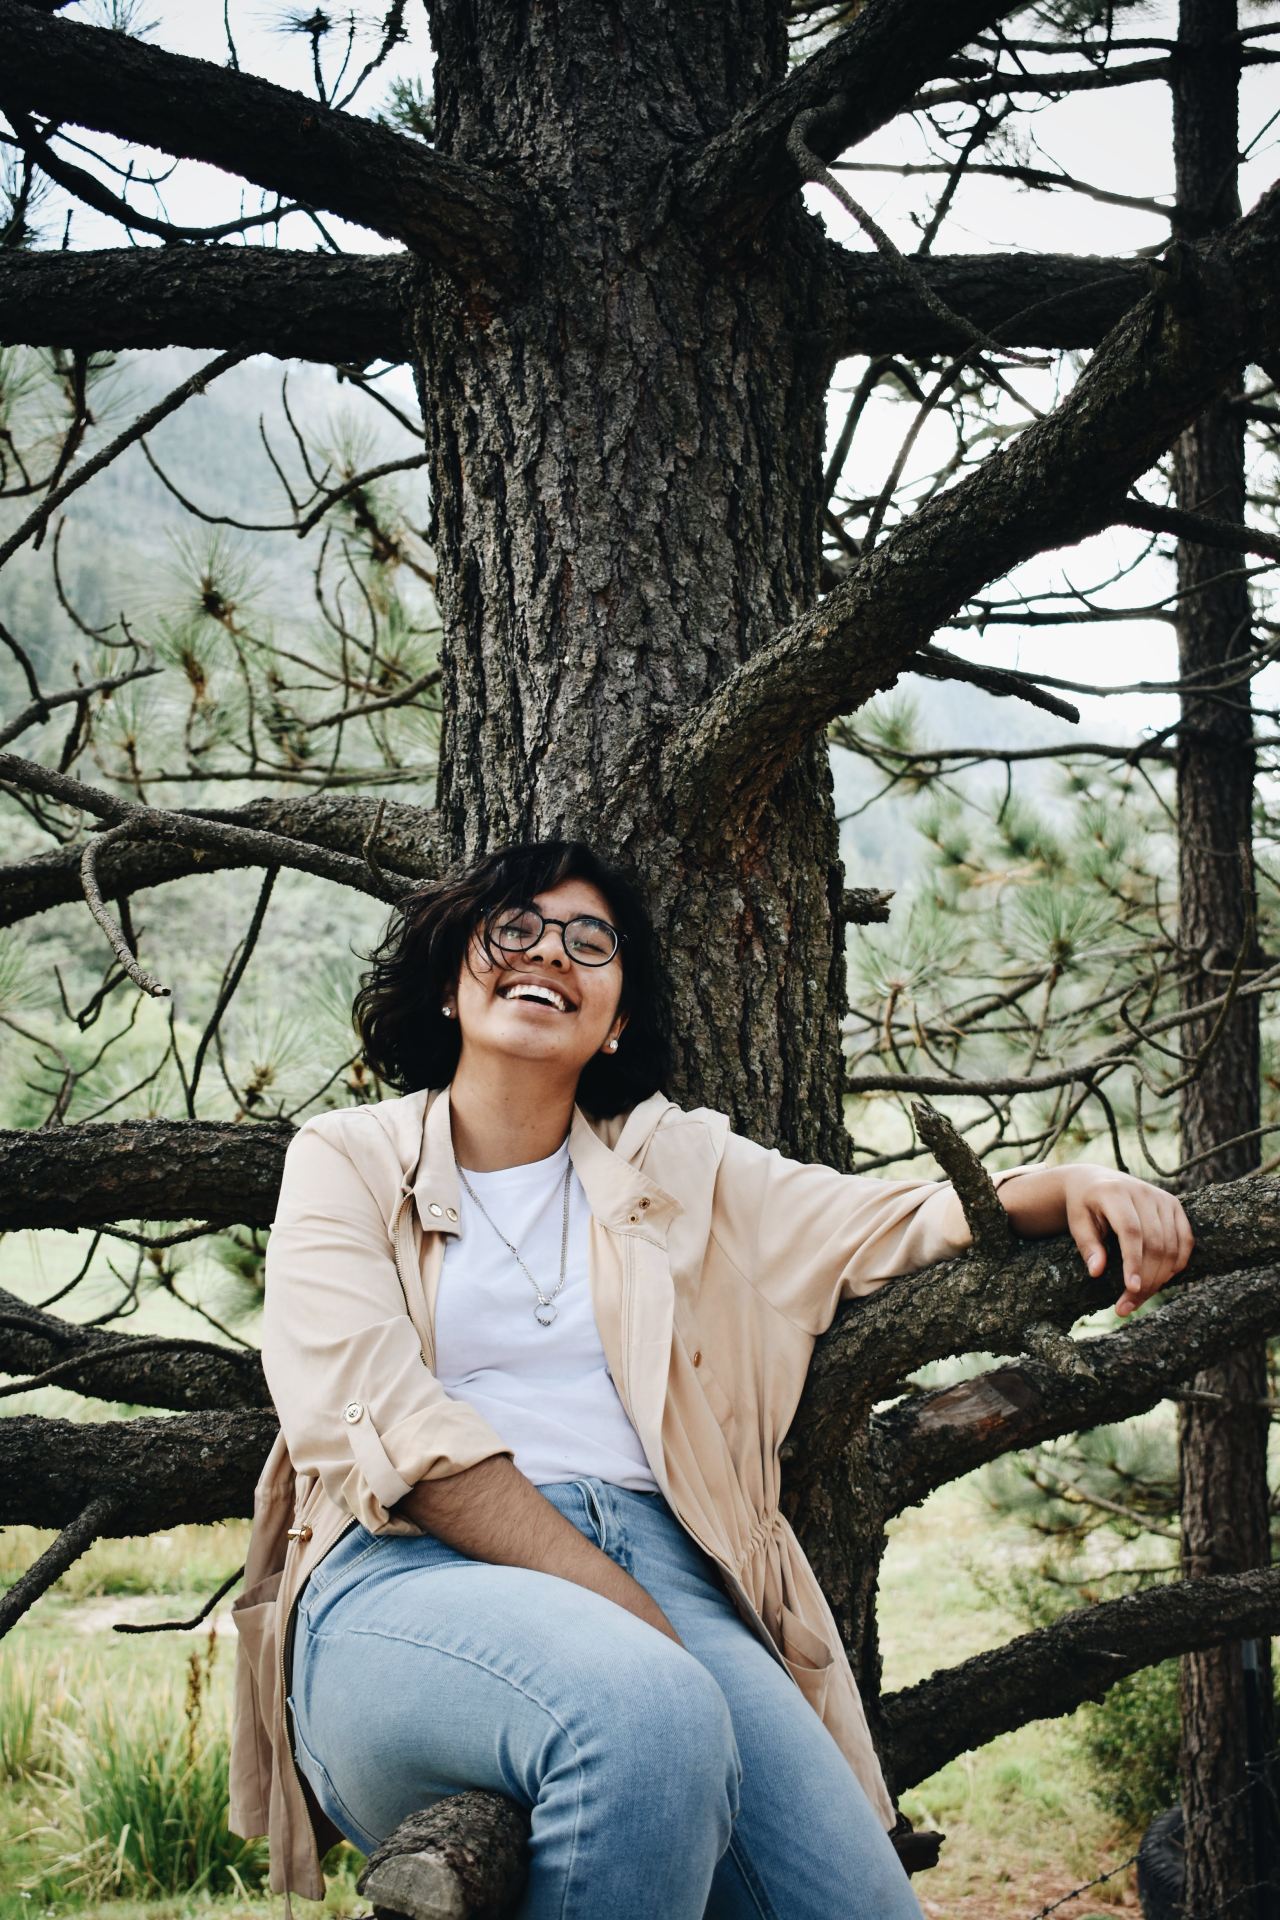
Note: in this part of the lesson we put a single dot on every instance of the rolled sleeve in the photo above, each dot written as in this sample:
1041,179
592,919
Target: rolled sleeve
809,1237
357,1402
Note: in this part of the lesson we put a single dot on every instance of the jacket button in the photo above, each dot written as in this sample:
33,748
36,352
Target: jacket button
352,1412
435,1208
452,1212
644,1203
633,1217
697,1358
300,1533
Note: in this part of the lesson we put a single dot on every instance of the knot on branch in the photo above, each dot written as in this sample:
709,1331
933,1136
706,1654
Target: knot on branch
992,1230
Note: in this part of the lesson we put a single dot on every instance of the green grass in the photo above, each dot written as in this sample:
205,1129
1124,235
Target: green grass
96,1736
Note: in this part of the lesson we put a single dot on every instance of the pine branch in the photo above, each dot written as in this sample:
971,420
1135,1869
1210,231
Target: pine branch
349,308
404,844
859,81
184,1375
222,1172
182,1471
460,217
1063,478
1027,299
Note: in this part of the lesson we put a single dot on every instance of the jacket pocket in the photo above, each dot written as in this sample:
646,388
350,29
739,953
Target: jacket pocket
254,1615
807,1658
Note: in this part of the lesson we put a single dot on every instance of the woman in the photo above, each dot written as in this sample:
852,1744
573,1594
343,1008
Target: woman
535,1335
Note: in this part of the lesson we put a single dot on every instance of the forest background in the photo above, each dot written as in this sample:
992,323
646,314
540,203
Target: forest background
1046,884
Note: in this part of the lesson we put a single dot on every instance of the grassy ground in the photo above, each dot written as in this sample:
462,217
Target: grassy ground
1021,1827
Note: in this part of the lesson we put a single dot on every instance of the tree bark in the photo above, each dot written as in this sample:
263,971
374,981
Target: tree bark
355,308
626,483
1223,1453
222,1172
351,308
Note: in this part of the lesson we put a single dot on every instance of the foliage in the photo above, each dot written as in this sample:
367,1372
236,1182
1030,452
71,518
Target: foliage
141,1802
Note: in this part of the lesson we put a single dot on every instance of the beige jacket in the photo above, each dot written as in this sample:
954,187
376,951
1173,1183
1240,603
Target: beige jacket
714,1266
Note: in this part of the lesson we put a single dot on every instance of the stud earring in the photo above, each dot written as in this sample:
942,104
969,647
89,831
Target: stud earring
611,1046
447,1011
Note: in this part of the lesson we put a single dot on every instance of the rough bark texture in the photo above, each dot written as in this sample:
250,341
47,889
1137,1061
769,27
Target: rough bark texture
164,1473
356,307
463,1859
186,1375
1223,1456
626,483
156,1170
1025,300
303,306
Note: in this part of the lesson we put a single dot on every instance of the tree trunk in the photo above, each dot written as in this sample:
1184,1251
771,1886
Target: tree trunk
1224,1438
626,469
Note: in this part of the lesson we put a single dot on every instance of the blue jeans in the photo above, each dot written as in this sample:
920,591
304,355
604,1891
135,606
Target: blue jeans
665,1782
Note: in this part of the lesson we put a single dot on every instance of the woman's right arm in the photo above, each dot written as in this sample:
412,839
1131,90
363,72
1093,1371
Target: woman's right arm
361,1409
492,1512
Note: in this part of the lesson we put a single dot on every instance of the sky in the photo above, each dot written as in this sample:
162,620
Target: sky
1109,138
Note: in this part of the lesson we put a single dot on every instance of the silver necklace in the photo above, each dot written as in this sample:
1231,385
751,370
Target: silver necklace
545,1312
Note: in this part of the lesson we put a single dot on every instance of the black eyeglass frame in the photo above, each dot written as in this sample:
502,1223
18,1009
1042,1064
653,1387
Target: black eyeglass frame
546,921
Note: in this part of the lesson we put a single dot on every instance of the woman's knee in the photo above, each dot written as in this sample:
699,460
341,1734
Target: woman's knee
665,1723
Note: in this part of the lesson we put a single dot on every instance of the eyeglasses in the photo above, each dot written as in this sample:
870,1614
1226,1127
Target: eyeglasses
591,942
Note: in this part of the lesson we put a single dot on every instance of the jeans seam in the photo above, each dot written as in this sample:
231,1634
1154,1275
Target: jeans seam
751,1881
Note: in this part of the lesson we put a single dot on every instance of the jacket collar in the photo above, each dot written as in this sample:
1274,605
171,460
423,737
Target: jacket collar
619,1193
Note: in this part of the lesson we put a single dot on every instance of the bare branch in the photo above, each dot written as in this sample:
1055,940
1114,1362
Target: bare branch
1042,1675
76,1537
990,1225
183,1375
1061,479
1027,299
351,308
932,1438
406,846
860,80
461,217
225,1173
182,1470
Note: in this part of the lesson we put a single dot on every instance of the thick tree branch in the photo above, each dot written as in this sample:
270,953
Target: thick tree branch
405,844
932,1438
175,1472
217,1171
1065,477
460,217
1042,1675
864,77
306,306
978,1304
183,1375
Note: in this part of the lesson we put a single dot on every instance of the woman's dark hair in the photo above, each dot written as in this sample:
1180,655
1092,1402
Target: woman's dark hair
406,1039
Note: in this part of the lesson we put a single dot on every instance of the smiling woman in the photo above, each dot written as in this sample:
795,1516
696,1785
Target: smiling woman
535,1335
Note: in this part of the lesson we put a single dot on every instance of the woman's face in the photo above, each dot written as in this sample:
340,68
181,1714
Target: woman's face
499,1013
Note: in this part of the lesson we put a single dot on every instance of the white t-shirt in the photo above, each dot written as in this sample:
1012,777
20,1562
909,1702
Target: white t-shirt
546,1390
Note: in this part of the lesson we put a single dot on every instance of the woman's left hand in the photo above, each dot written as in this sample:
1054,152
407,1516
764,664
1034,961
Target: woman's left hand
1151,1229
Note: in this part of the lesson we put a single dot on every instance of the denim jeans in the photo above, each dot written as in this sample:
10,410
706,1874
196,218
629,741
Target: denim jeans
665,1782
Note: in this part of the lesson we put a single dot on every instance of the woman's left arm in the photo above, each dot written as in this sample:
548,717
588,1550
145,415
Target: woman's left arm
1151,1228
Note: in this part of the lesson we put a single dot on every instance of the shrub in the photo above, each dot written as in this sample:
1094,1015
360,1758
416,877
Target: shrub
141,1802
1130,1740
